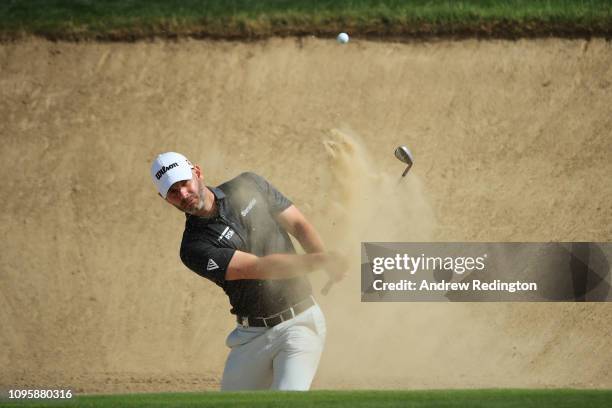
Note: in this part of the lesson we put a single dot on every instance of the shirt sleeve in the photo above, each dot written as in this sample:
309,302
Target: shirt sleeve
207,260
277,202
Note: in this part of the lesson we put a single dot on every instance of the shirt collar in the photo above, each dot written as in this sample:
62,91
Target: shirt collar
219,194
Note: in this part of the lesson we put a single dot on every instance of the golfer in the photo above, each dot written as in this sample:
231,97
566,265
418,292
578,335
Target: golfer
236,235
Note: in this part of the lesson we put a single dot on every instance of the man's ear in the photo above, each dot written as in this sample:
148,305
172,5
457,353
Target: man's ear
198,171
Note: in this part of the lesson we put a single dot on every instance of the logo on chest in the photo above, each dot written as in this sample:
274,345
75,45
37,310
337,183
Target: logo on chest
249,207
227,233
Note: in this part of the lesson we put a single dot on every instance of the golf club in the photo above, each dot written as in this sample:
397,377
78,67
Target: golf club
404,155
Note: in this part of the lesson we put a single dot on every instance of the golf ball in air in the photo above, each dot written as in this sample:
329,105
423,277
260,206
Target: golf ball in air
343,38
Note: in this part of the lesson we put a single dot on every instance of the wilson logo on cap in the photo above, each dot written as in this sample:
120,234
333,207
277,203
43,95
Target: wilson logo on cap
164,169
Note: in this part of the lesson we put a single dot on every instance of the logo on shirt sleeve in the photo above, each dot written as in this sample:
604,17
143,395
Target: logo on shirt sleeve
249,207
212,265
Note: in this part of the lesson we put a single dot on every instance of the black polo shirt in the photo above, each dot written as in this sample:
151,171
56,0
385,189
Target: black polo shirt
247,206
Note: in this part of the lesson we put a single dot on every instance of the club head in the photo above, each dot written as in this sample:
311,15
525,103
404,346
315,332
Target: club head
403,154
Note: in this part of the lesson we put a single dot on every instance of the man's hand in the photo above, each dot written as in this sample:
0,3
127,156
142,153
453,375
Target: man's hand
336,266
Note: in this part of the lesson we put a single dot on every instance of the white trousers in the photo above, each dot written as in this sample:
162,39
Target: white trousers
284,357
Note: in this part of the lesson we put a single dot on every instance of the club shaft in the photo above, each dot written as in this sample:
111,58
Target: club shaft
407,170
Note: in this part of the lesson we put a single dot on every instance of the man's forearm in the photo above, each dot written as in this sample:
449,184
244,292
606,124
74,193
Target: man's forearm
294,222
309,238
284,266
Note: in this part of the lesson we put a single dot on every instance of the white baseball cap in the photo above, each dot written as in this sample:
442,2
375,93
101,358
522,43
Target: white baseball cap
167,169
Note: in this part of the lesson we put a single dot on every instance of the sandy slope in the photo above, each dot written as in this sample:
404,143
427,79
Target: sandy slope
512,141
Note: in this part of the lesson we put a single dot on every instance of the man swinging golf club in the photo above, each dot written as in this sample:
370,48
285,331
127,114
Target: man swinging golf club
236,235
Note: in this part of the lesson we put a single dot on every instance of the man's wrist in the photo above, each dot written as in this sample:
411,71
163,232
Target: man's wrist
317,260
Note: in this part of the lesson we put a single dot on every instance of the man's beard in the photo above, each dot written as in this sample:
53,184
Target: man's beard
195,207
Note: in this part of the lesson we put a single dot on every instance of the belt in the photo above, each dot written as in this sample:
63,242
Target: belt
277,318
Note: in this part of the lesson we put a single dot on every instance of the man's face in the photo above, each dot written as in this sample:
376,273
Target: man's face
189,195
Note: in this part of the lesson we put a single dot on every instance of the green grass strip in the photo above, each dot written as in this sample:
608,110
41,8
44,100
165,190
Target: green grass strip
503,398
125,19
